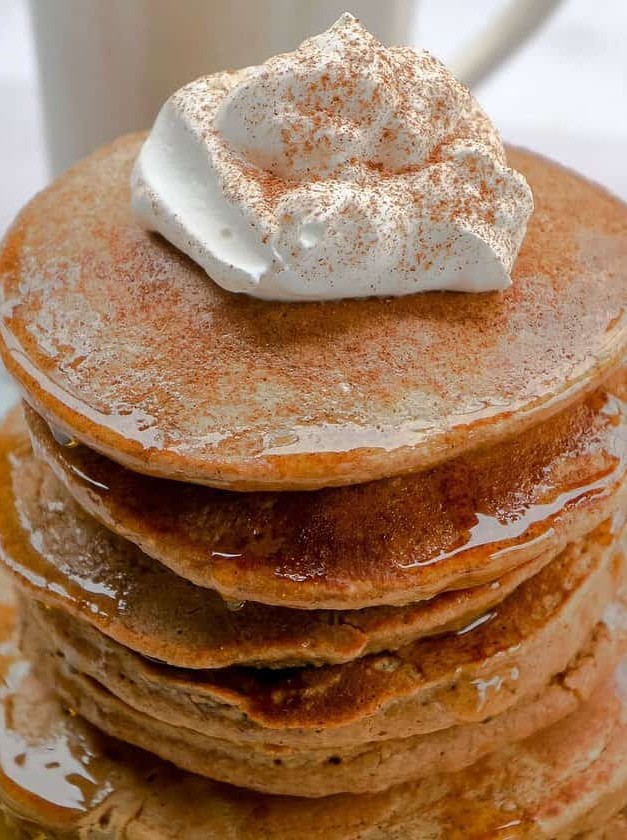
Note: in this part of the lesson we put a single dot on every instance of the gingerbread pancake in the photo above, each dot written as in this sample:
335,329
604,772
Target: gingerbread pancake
466,522
59,658
614,829
126,345
429,685
60,775
80,567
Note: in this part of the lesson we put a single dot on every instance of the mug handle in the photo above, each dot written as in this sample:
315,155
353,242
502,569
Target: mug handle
507,32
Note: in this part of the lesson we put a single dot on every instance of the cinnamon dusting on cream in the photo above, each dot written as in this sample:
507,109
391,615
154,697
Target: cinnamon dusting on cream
343,169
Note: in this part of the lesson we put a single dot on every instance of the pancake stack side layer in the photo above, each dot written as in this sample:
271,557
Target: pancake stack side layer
307,570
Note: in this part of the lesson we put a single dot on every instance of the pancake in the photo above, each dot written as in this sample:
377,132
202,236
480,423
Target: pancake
424,687
313,772
59,774
126,345
78,566
462,524
615,829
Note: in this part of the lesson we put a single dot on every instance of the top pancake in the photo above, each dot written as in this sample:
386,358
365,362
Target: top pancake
125,344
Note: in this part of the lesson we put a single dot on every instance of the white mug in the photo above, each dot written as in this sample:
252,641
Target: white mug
106,66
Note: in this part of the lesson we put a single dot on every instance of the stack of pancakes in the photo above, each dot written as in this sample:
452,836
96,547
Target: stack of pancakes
346,569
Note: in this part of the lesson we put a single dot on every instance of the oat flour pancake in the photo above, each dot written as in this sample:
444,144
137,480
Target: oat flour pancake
125,344
59,658
615,829
57,772
463,523
80,567
423,687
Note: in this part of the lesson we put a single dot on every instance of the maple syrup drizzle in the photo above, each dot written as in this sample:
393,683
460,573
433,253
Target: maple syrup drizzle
59,775
52,772
55,770
490,531
62,438
19,541
488,534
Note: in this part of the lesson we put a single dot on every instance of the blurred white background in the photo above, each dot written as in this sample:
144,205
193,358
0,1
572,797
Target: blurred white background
563,94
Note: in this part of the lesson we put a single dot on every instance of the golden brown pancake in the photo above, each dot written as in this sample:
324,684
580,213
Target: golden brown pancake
58,774
78,566
429,685
461,524
125,344
59,658
615,829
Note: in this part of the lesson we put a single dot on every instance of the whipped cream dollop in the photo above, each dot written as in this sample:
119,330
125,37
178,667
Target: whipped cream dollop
343,169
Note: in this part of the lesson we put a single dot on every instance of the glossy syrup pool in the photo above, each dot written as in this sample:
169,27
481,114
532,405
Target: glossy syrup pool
53,768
